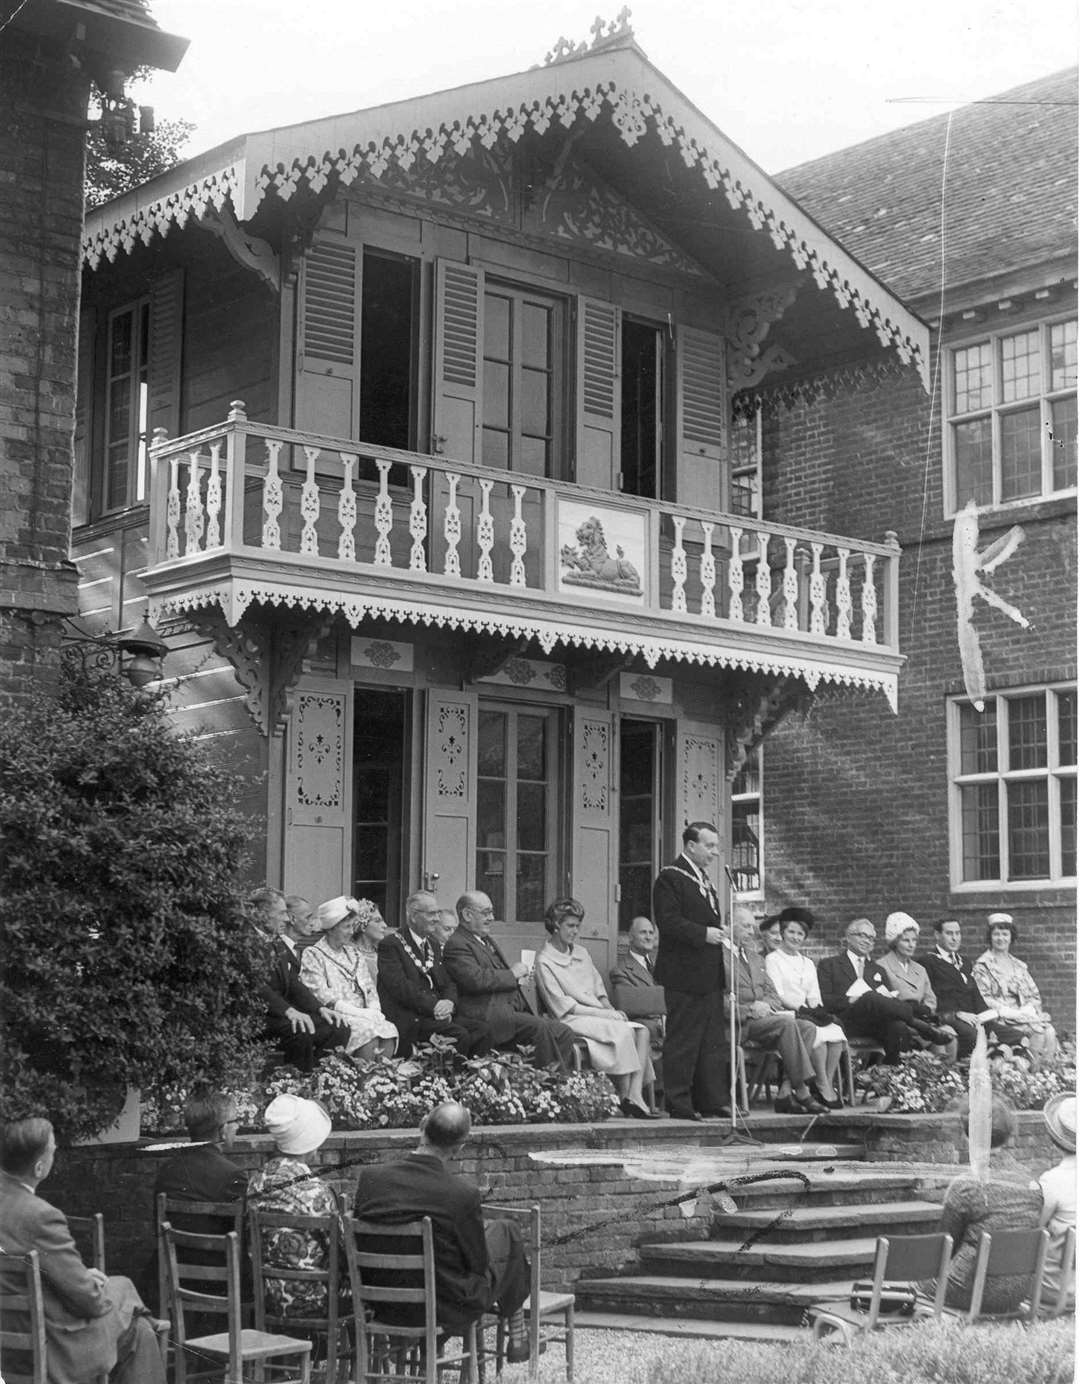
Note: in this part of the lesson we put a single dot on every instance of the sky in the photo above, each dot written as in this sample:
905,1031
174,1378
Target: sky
787,80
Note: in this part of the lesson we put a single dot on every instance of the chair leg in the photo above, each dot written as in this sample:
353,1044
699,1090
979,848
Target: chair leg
570,1343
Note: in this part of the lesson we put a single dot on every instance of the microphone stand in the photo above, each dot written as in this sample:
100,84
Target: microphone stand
733,1136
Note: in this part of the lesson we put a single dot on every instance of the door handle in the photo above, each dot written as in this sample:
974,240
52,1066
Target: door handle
431,880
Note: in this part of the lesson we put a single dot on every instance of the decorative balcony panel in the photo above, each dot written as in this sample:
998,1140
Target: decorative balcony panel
246,513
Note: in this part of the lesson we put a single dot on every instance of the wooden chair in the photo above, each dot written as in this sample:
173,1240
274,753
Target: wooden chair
537,1000
541,1308
90,1231
854,1055
20,1292
759,1066
904,1258
1013,1254
403,1276
329,1325
237,1346
201,1217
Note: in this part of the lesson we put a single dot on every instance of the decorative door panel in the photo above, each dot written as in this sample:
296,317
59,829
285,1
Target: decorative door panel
594,820
328,340
700,784
319,790
701,417
449,844
599,402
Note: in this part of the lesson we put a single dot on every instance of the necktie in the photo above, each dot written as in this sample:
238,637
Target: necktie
859,963
956,961
646,961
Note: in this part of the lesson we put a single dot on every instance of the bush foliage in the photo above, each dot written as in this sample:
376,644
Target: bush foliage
127,958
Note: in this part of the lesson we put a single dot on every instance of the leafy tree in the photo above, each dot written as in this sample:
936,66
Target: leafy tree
127,956
113,169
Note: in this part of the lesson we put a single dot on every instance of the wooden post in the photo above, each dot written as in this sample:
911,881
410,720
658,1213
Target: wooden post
158,498
236,477
891,620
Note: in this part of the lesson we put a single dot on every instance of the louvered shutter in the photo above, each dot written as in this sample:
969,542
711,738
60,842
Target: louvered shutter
599,393
84,391
165,352
328,340
701,417
457,412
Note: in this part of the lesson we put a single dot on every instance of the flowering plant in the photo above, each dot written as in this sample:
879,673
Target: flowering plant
920,1084
1013,1076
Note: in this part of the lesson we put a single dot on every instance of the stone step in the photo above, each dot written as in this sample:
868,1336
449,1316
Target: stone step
820,1222
848,1184
687,1329
708,1299
814,1261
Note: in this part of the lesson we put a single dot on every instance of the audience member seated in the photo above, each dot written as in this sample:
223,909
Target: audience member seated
858,992
202,1172
769,927
335,972
287,1185
303,1028
445,926
1007,1200
573,990
300,929
93,1324
764,1018
371,928
910,979
1007,984
1058,1186
417,989
960,1005
480,1266
488,988
633,984
795,981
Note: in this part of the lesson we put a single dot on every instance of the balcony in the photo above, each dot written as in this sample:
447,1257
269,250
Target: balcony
244,513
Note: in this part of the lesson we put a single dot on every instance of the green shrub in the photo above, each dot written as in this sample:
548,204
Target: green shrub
127,959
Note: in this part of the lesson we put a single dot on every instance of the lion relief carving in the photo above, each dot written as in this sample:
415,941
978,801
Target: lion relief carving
590,563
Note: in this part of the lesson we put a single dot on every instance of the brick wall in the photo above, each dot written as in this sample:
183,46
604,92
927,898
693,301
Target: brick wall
42,137
855,798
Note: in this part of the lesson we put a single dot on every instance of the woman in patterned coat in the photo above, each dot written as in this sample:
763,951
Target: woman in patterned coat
336,973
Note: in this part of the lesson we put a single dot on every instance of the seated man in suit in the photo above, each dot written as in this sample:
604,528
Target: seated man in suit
93,1323
304,1029
415,989
857,991
959,1000
633,984
202,1172
488,988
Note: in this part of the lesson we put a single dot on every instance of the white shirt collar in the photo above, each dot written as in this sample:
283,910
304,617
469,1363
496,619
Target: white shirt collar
418,940
289,942
857,960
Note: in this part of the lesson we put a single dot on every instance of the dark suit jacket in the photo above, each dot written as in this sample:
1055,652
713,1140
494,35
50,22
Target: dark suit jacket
404,991
421,1185
81,1324
954,989
201,1173
487,987
682,910
282,987
836,973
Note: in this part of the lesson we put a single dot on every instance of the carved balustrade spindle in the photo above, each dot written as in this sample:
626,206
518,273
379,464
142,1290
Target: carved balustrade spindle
452,527
485,534
273,499
172,510
735,575
384,516
791,587
843,596
869,601
763,582
346,511
194,519
310,505
678,566
817,593
418,521
708,573
213,498
518,540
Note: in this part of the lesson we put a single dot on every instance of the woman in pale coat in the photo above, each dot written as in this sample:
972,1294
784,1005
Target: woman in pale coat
335,972
910,979
1006,984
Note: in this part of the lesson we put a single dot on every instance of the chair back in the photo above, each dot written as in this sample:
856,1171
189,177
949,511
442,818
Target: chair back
207,1287
910,1259
392,1267
263,1226
22,1320
90,1231
215,1218
1011,1254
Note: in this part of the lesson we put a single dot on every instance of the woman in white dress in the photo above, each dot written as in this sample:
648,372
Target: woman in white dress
335,972
574,992
795,978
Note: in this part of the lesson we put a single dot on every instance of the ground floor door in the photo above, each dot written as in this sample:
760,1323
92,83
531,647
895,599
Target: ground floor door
380,797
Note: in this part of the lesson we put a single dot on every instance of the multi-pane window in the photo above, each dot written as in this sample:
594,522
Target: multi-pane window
515,806
746,826
127,400
522,350
640,792
1014,788
746,465
1012,415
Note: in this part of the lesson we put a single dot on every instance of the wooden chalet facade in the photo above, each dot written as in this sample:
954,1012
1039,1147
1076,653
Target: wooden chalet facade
454,520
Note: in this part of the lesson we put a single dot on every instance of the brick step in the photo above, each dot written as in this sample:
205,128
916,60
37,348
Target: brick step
820,1222
849,1185
688,1329
815,1261
708,1299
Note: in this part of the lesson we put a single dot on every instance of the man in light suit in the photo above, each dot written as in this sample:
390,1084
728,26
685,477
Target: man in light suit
636,972
488,988
690,967
93,1324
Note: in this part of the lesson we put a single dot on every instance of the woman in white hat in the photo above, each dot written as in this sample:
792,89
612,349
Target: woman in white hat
286,1183
1059,1193
1007,985
335,972
910,979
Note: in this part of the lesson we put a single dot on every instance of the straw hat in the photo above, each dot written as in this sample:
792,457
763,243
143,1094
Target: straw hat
335,911
1059,1112
297,1125
896,924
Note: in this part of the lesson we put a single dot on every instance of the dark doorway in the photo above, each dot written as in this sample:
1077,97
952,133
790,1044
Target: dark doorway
387,353
642,391
639,817
379,767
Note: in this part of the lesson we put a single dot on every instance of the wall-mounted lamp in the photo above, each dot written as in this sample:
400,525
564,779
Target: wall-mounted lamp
121,119
144,648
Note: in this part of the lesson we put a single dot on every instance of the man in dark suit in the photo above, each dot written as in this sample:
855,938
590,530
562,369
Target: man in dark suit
304,1029
959,1000
857,991
488,988
479,1266
690,967
93,1324
415,988
202,1172
636,974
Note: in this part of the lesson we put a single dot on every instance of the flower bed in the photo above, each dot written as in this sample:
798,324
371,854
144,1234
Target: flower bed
924,1084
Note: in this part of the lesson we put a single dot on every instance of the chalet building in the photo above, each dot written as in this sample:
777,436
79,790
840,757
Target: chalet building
945,809
430,435
50,50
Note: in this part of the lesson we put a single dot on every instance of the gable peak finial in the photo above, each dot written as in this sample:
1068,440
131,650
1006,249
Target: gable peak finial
605,34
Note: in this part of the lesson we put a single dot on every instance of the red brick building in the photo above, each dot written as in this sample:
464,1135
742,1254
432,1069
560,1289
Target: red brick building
943,810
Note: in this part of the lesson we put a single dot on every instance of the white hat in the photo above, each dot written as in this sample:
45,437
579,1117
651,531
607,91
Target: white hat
1000,919
297,1125
896,924
1059,1112
335,911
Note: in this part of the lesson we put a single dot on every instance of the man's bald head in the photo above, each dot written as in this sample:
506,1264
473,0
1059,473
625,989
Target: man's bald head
446,1127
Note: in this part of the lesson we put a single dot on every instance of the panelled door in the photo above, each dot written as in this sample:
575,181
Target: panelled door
700,787
449,841
594,821
318,794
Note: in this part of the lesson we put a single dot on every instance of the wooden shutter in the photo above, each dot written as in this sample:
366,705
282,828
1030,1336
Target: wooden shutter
449,847
599,393
328,340
700,786
701,417
84,398
595,821
457,387
165,352
318,853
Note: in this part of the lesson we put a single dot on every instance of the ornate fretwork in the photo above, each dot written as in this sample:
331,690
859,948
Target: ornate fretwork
247,250
594,757
106,240
488,657
748,324
595,671
615,32
477,180
812,390
751,706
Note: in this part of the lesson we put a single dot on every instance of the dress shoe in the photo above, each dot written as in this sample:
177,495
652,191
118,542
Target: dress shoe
724,1113
518,1351
812,1106
788,1105
633,1111
685,1115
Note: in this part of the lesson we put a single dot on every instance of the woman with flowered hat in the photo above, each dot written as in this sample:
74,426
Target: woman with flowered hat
334,970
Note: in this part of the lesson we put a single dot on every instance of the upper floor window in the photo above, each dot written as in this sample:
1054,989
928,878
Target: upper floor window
127,401
522,353
1011,400
746,465
1013,788
747,834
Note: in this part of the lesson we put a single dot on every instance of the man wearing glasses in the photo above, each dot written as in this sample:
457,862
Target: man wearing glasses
488,988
